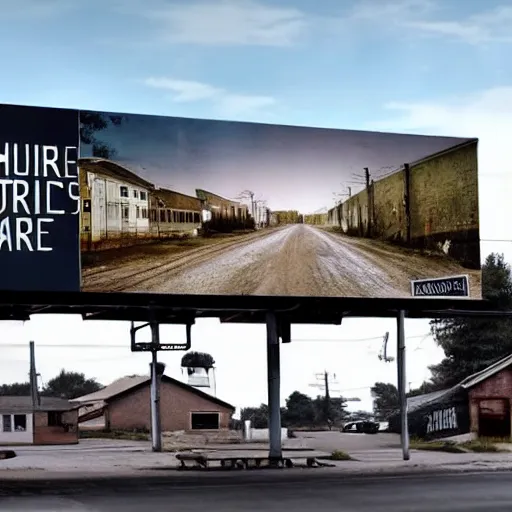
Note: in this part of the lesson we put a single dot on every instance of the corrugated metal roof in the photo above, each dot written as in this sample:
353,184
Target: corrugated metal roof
15,404
416,402
484,374
118,386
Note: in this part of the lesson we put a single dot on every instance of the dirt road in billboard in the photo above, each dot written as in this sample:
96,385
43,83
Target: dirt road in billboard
297,260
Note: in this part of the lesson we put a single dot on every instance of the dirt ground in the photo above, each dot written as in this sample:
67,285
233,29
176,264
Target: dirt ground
296,260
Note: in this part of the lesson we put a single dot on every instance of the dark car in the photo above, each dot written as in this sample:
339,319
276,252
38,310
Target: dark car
362,427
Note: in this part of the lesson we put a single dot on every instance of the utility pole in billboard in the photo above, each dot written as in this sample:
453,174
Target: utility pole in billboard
249,194
402,385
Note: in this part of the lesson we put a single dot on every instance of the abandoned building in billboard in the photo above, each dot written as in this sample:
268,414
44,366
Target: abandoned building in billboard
480,405
125,405
174,214
53,421
223,215
119,209
431,203
115,205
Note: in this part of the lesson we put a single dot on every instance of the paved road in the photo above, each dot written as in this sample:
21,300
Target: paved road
468,493
297,260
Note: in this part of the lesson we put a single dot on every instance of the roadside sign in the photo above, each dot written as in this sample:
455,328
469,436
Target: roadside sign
453,286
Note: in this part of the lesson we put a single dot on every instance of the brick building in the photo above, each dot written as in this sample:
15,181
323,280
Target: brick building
126,405
481,405
54,421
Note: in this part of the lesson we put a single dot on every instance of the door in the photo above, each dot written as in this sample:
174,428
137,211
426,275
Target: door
494,418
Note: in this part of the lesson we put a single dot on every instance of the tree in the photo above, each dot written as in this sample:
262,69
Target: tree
471,344
300,410
258,416
70,385
93,122
16,389
386,400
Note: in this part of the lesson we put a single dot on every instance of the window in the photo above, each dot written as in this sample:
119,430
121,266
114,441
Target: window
54,419
126,212
6,423
123,191
197,218
153,215
182,217
135,194
20,422
205,421
143,196
175,216
137,209
162,215
144,213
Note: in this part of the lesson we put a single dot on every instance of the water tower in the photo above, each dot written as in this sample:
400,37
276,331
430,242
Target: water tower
200,370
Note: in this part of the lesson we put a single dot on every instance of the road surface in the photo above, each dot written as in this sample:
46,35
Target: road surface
297,260
277,492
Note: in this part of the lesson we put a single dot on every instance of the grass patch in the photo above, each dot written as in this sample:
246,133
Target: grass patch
437,446
475,446
115,434
340,455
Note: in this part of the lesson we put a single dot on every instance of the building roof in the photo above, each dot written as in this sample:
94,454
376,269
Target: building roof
23,404
484,374
201,194
125,385
166,196
417,402
115,170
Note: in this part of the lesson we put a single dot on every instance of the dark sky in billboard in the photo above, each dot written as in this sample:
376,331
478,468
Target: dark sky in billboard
39,199
289,167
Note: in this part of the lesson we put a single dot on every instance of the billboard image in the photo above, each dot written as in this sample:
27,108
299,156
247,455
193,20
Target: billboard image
167,205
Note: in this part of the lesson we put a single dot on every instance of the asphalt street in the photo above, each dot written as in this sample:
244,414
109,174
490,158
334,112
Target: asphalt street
277,492
297,260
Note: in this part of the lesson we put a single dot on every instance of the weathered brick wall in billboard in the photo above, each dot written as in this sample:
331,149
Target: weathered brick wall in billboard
443,206
389,211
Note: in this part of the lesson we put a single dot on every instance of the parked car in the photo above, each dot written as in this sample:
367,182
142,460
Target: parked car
362,427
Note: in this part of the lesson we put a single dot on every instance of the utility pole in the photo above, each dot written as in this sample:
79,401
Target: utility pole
156,426
36,399
383,356
370,201
325,385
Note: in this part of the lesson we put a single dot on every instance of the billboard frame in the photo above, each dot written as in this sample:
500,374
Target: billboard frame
237,309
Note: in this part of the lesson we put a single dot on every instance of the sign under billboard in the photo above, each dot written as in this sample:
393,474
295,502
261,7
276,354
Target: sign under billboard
104,202
455,286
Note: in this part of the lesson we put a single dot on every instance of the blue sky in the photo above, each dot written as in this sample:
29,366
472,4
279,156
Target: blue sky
436,67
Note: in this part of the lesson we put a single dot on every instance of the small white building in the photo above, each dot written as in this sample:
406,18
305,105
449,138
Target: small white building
54,421
115,202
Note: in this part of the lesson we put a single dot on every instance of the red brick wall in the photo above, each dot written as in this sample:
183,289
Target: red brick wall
43,434
133,411
498,386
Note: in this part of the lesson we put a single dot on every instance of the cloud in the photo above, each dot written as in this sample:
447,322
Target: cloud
489,26
426,17
183,91
229,22
488,116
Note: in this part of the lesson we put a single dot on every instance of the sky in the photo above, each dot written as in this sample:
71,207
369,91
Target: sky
437,67
291,168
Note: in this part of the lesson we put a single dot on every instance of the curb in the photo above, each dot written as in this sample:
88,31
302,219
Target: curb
65,483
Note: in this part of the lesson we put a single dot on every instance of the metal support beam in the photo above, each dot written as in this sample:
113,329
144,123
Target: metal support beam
402,384
274,398
156,428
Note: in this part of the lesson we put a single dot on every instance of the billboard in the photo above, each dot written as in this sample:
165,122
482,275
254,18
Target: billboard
114,202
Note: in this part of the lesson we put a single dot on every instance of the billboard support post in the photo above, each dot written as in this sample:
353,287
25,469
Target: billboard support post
156,431
274,398
402,383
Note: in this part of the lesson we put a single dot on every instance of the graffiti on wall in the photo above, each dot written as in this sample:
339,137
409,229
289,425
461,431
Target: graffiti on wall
442,419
